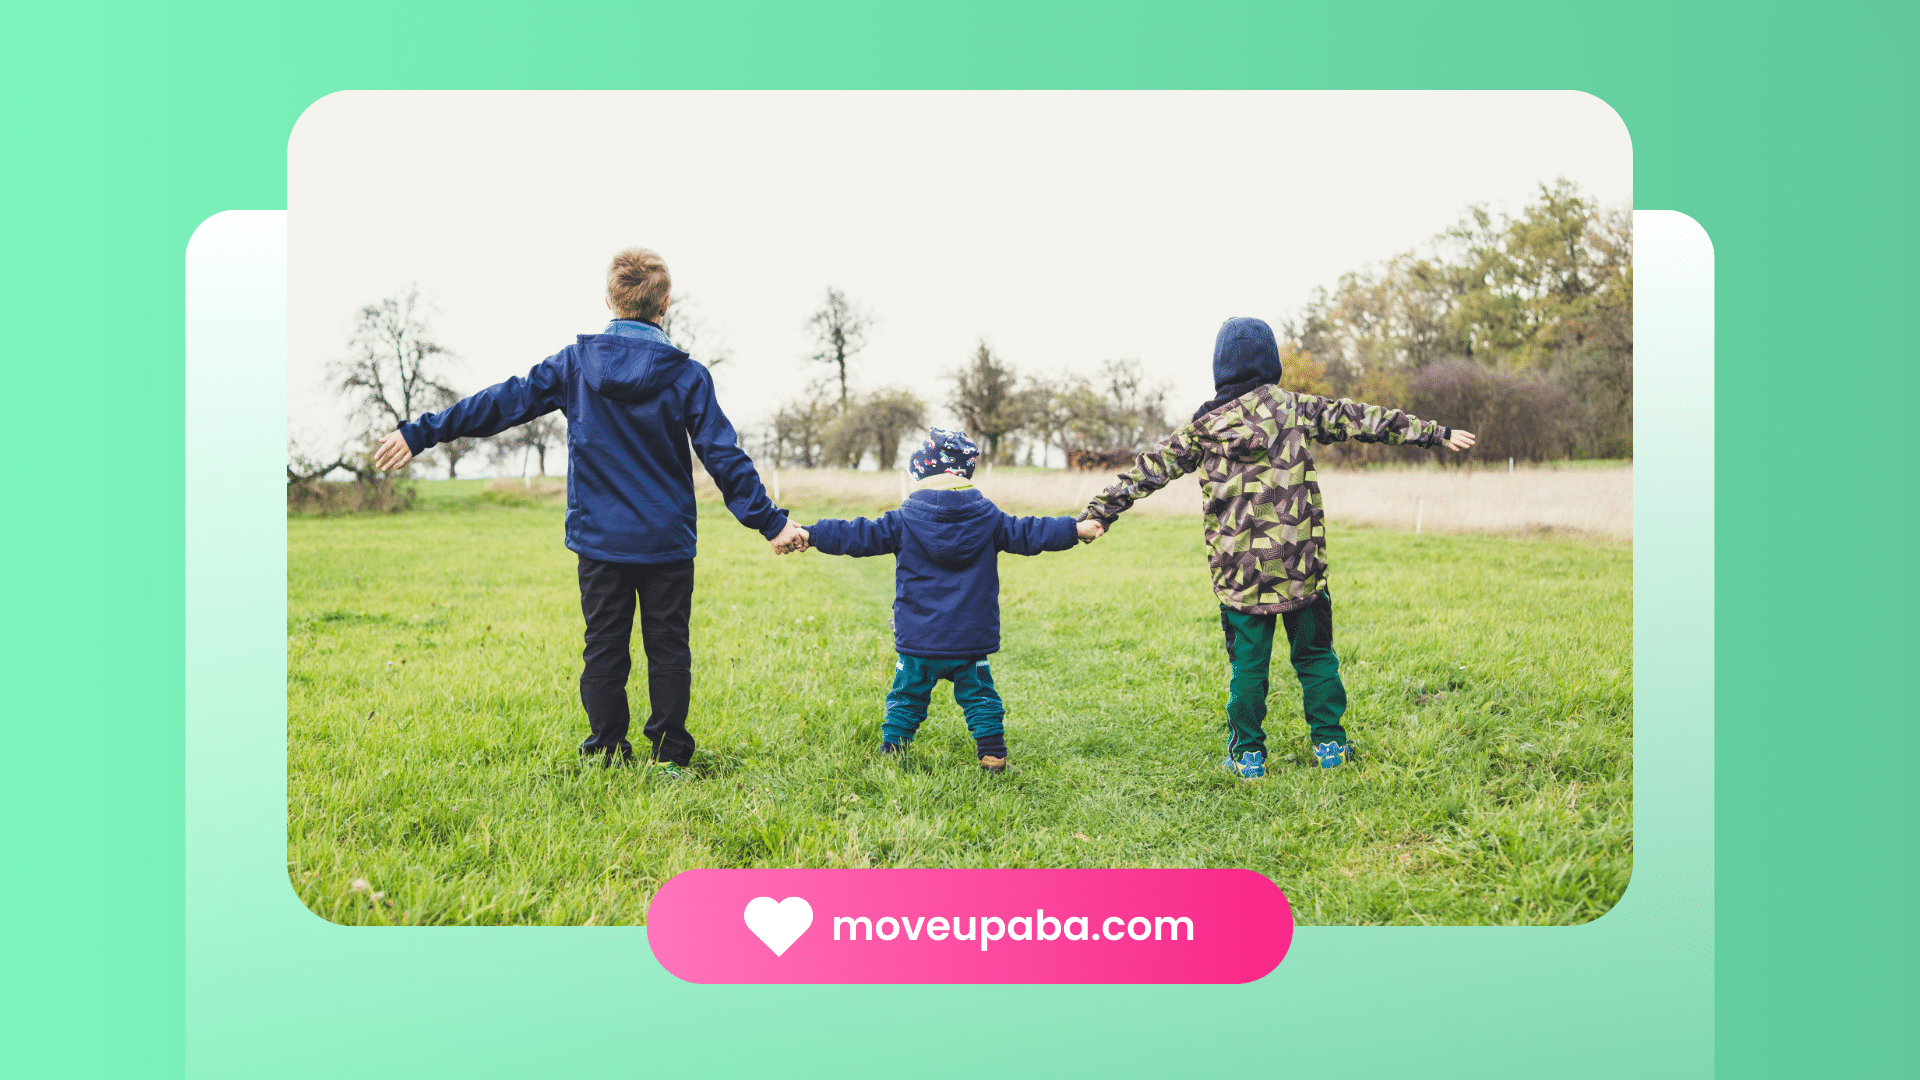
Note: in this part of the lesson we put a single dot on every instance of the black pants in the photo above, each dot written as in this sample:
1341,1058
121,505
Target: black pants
608,592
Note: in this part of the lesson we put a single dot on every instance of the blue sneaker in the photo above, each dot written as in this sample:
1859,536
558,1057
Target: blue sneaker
1332,754
1251,766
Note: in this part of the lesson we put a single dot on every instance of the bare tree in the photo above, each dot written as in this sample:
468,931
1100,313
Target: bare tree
986,394
530,443
840,332
453,451
542,435
392,371
687,324
1139,408
1050,411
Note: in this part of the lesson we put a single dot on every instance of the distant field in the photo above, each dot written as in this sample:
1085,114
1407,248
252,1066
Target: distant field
432,715
1573,499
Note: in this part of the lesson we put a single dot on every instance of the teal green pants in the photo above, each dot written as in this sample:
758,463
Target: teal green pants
1250,650
915,677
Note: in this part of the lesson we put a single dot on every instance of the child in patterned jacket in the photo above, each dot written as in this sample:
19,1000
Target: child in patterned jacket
1265,530
946,539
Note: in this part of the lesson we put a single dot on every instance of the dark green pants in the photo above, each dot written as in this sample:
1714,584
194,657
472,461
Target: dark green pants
915,677
1250,649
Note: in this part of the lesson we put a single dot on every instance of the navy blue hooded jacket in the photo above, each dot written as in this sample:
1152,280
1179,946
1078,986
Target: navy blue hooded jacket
946,592
633,402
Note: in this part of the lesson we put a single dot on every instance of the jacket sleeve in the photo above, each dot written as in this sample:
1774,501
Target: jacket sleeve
1167,461
732,470
495,409
1033,535
1329,421
860,537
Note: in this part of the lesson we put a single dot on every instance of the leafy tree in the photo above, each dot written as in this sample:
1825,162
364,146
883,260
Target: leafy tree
840,332
1301,373
1049,412
1545,295
798,433
986,395
888,418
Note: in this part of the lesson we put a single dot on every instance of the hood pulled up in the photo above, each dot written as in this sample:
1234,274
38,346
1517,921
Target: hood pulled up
1245,351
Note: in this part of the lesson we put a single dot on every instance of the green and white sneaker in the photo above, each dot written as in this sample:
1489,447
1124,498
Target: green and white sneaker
667,770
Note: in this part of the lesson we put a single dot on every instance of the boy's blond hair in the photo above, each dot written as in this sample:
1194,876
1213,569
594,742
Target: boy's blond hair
638,284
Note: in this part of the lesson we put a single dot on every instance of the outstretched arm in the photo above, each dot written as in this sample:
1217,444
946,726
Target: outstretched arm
1033,535
1168,460
732,470
1330,420
489,412
858,537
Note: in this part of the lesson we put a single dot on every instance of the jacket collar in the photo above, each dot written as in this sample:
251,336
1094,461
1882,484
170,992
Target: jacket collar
637,328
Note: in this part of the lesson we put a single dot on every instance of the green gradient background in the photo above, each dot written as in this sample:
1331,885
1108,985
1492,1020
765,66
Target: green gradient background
125,128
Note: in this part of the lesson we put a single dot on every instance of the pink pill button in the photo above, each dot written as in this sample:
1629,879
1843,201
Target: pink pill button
970,926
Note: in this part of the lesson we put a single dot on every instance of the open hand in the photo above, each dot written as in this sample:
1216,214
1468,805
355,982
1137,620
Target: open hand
1089,530
392,453
791,539
1459,440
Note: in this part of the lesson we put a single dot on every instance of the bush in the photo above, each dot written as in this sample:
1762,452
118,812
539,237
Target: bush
361,495
1515,416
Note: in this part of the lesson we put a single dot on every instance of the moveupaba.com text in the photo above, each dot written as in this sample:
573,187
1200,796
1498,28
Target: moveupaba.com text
1039,926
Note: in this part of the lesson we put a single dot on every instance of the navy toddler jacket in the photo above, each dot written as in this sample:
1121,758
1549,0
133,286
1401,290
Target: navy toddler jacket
632,402
946,594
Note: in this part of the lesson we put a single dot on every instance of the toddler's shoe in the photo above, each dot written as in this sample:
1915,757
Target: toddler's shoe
667,770
1333,754
994,766
1251,766
893,749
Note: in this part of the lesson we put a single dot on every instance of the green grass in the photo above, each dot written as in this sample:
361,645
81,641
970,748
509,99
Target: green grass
432,719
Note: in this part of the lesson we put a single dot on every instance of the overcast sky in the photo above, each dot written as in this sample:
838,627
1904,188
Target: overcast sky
1063,228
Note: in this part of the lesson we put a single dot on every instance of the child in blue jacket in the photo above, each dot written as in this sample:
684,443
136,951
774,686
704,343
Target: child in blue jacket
638,410
946,539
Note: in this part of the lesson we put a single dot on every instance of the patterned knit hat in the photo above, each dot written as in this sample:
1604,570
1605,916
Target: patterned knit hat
944,452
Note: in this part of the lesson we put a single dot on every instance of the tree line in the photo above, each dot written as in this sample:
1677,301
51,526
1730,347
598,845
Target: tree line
1518,328
1013,416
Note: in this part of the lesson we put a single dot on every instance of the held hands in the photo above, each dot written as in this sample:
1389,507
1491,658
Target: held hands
1459,440
1089,530
392,453
791,539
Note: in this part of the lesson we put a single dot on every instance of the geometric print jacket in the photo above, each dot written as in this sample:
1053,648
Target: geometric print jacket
1265,528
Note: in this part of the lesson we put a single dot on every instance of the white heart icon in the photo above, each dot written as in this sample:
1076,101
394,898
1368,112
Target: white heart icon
780,924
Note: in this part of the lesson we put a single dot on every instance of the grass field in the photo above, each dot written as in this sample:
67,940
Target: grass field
432,716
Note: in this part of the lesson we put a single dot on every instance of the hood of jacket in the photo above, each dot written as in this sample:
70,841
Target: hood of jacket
952,526
1245,351
629,369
